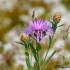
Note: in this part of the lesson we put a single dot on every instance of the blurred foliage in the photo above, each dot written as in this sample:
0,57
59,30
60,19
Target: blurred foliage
5,28
51,65
66,3
67,45
1,49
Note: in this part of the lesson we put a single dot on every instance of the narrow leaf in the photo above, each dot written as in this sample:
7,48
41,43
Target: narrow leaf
28,63
20,43
50,41
61,25
34,53
48,60
51,22
25,45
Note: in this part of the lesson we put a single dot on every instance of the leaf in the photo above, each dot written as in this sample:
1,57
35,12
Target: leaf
38,48
61,25
54,25
48,60
25,45
34,53
28,63
50,41
51,22
20,43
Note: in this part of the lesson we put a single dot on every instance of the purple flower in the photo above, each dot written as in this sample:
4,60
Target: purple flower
39,28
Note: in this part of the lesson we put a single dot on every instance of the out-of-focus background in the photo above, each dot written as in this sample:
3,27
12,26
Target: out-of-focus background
15,16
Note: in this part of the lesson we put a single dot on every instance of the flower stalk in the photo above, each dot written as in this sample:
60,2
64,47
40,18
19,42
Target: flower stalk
37,29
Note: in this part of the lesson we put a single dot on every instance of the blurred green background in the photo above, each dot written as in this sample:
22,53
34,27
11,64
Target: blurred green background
15,16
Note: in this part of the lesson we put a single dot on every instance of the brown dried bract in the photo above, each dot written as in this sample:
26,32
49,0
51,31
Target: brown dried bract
24,37
57,17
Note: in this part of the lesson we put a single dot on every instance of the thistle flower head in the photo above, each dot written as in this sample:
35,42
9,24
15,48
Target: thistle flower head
38,28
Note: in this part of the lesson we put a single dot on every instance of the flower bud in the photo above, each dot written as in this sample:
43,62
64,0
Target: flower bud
24,37
57,17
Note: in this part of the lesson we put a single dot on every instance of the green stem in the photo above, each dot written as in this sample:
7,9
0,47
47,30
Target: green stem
48,60
46,55
28,62
39,62
48,50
